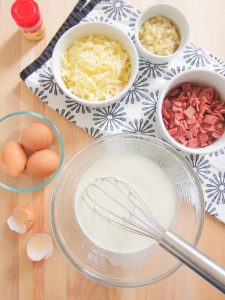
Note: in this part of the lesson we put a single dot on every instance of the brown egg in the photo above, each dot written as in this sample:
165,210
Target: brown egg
13,159
36,137
2,166
42,163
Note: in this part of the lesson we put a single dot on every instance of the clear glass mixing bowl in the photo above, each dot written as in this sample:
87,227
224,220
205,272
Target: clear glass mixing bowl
11,127
130,269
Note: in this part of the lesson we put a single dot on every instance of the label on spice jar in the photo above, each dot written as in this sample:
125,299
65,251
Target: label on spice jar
36,35
27,15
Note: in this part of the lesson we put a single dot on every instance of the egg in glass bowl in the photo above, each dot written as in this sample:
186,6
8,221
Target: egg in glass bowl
31,151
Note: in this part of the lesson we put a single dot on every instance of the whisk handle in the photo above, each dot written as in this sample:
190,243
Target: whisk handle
196,260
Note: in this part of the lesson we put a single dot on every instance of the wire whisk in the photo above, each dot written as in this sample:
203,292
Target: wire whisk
128,211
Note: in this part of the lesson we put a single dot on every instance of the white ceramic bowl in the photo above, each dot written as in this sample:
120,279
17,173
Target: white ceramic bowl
94,28
173,14
199,77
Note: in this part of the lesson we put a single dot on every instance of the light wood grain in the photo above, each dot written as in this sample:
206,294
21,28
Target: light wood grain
55,279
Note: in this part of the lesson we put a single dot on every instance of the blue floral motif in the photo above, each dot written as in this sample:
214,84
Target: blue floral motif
220,69
117,9
152,70
95,133
96,19
174,71
140,126
76,106
219,65
47,81
40,94
149,104
216,188
195,56
200,165
66,114
217,153
110,117
137,90
215,59
210,209
131,35
132,21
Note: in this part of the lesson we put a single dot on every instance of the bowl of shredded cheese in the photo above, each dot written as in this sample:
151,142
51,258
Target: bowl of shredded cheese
161,33
95,63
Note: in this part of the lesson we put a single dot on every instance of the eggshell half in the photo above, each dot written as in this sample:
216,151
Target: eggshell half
39,246
21,220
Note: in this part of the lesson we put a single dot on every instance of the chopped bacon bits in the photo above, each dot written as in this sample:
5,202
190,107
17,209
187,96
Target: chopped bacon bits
189,112
210,119
194,116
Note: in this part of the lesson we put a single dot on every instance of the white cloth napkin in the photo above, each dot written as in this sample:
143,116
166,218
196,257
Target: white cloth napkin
135,112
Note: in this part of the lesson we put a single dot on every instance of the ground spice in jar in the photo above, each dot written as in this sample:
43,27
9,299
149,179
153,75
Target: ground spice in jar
27,16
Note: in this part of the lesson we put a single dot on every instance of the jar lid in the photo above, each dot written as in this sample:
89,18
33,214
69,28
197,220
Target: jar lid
25,13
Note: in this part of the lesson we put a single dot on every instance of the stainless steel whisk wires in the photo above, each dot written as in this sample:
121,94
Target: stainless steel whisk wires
131,213
147,225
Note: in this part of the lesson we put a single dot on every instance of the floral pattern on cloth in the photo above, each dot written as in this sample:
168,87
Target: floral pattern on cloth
135,113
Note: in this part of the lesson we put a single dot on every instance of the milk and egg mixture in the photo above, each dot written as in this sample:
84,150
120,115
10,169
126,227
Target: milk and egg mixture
147,179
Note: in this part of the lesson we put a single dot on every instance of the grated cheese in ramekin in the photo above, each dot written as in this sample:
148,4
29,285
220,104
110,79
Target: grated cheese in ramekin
95,67
159,35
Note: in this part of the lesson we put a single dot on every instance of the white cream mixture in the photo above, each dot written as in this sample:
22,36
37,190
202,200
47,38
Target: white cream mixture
147,179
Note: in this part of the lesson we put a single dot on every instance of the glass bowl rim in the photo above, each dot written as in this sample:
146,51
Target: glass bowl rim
61,146
80,268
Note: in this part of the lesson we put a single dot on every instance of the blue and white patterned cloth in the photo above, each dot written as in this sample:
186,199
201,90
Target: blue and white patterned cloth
135,112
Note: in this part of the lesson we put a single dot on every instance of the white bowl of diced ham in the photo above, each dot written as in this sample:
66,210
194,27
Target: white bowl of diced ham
191,112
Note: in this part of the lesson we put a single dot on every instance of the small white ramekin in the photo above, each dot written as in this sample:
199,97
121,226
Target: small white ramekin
173,14
83,29
199,77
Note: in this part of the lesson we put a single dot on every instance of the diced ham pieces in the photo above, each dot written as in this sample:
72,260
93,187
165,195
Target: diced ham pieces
203,137
193,115
189,112
194,143
210,119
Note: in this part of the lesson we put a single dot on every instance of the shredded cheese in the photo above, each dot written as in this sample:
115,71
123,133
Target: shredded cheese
159,35
95,67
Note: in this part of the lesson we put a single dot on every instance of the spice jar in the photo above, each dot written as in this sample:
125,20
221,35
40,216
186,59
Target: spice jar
27,16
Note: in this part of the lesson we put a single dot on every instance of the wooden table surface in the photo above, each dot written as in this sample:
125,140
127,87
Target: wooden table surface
55,279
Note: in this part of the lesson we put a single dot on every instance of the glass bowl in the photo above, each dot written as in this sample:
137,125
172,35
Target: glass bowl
125,269
10,127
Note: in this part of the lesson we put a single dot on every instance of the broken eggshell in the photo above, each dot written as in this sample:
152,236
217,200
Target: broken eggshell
21,220
39,246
